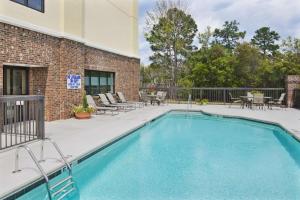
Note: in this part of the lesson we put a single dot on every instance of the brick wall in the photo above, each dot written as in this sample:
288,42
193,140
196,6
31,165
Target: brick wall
292,82
126,70
57,58
71,62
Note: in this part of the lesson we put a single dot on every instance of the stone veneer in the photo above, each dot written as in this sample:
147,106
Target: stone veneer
292,82
57,58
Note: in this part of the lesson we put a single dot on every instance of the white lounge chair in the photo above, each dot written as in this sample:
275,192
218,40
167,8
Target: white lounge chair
91,102
123,100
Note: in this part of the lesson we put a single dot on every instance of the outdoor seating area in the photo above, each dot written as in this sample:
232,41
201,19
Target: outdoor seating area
258,100
115,103
152,98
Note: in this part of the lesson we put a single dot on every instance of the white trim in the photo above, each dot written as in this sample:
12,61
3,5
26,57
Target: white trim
26,25
32,27
90,44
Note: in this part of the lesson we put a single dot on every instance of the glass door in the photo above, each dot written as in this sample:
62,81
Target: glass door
15,81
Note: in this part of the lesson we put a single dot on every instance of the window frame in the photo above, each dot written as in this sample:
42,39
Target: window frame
89,73
26,4
12,68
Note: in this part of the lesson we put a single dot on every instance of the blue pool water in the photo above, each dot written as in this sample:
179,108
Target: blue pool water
192,157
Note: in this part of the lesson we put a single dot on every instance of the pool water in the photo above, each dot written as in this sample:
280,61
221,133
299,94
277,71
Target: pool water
192,156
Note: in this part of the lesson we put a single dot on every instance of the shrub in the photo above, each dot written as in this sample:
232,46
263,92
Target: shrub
84,107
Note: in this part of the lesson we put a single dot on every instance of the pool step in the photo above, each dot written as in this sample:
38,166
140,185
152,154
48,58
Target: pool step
62,188
66,193
60,182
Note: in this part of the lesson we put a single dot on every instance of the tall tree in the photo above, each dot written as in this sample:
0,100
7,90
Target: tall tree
265,40
171,40
291,45
230,35
247,61
205,38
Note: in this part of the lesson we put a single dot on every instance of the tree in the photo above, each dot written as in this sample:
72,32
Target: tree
229,36
153,74
291,49
205,38
171,40
212,68
247,61
265,40
291,45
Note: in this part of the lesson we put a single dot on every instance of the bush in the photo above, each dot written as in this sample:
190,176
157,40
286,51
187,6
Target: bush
203,101
84,108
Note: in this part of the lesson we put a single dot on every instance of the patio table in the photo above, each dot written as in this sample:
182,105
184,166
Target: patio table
152,98
245,100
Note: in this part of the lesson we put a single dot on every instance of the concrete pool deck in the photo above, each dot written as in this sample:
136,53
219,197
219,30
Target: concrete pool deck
78,138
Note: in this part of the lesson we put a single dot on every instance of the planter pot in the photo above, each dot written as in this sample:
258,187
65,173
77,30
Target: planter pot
83,115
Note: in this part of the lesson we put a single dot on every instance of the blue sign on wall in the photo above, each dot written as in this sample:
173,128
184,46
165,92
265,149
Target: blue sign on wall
73,82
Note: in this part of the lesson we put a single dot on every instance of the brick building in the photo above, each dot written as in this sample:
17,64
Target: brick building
43,42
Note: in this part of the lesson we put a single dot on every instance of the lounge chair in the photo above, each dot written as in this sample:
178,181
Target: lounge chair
234,100
92,103
113,101
277,102
123,100
107,103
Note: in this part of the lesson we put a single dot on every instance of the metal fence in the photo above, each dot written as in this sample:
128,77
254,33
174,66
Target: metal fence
21,120
214,95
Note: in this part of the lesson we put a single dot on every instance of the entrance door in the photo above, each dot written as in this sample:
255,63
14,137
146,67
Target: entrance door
15,81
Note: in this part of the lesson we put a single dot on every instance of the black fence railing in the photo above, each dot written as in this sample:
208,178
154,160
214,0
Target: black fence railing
213,95
21,120
297,98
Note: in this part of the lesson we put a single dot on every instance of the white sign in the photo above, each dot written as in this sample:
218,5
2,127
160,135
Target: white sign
73,82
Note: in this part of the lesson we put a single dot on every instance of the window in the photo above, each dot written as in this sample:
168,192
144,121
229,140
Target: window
15,80
38,5
97,82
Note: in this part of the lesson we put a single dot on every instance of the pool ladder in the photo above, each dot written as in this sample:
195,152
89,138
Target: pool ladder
60,189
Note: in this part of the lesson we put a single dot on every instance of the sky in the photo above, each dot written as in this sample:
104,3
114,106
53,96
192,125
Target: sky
282,16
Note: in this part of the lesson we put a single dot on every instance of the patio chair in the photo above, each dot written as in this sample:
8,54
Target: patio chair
258,100
249,100
91,102
234,100
114,102
123,100
278,102
143,97
161,97
106,103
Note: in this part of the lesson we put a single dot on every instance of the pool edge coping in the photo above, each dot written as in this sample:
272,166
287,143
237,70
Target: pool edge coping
76,160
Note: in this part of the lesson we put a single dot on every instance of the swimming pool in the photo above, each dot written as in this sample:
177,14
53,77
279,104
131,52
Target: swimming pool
192,156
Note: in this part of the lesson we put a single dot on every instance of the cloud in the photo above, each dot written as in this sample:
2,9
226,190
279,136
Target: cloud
282,16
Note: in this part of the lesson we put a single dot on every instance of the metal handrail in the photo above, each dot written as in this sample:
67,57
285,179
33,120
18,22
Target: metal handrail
189,103
67,164
29,151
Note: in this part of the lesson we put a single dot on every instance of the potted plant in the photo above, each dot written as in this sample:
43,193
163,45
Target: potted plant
83,111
